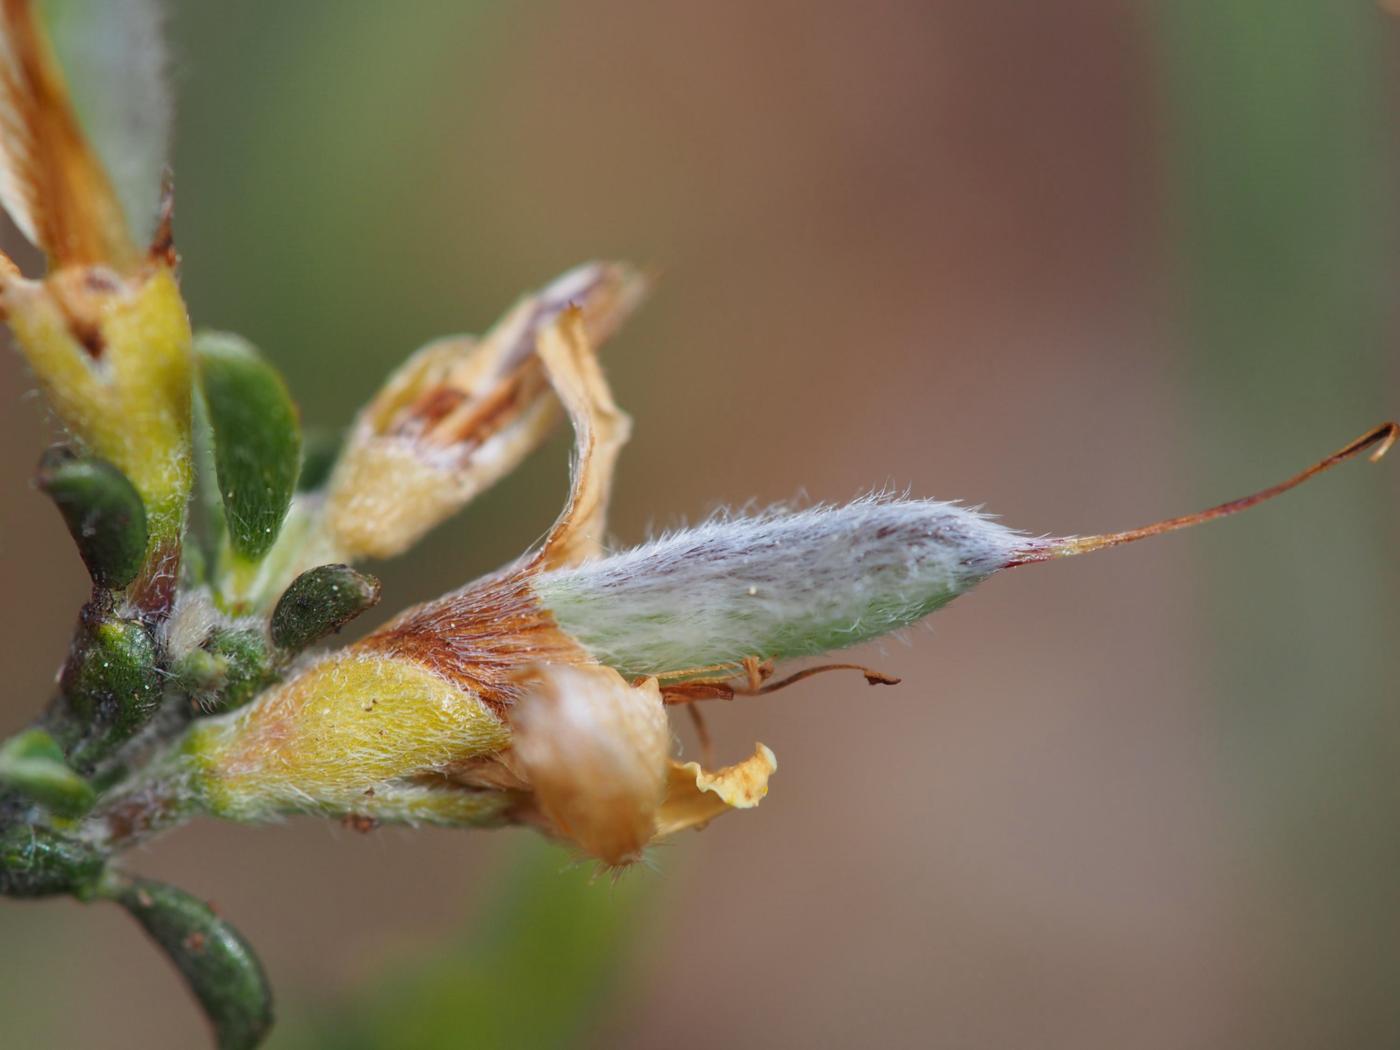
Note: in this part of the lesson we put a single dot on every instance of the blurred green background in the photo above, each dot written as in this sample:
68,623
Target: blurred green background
1091,263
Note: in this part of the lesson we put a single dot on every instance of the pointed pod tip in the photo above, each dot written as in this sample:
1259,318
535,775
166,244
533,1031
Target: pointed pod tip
1382,437
1378,440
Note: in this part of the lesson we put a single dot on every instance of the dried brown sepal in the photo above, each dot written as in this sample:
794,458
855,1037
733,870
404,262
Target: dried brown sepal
479,637
51,182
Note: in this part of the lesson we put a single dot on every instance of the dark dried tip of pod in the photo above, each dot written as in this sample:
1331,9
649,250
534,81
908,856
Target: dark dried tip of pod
38,862
319,601
215,961
32,764
103,512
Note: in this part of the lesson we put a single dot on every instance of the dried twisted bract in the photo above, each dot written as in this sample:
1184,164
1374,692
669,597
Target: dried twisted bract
536,696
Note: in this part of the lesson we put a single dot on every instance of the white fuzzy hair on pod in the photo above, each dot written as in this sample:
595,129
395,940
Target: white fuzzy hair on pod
776,585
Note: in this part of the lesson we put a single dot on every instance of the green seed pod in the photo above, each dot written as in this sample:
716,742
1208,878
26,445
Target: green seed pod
111,683
319,601
32,764
257,439
38,862
215,961
103,512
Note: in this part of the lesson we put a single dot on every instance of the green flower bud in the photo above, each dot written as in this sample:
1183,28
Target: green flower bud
230,669
103,512
320,601
215,961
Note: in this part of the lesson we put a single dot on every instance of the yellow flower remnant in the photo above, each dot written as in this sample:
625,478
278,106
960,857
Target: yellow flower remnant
458,416
476,707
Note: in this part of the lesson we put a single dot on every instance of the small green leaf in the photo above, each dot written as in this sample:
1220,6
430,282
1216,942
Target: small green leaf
257,439
112,685
215,961
319,601
103,512
32,764
38,862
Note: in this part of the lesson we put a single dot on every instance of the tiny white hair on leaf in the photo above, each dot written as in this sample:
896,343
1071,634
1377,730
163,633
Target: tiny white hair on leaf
775,585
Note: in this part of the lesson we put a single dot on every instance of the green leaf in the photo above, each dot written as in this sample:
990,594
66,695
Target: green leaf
103,512
319,601
32,764
214,959
257,439
38,862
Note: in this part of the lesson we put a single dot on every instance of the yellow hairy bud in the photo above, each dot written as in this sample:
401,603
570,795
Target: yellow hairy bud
338,735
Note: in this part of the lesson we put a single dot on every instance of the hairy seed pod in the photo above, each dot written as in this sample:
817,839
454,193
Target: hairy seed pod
777,585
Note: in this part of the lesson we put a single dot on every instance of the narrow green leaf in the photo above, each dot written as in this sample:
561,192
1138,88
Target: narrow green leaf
103,512
319,601
32,764
257,439
214,959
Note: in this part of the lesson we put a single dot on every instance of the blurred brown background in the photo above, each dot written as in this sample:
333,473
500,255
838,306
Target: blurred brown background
1089,263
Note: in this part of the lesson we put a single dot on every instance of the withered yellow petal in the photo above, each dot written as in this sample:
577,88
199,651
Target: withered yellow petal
694,797
601,429
459,415
593,750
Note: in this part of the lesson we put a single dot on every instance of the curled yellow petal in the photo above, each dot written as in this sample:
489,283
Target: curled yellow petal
694,797
593,750
601,429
